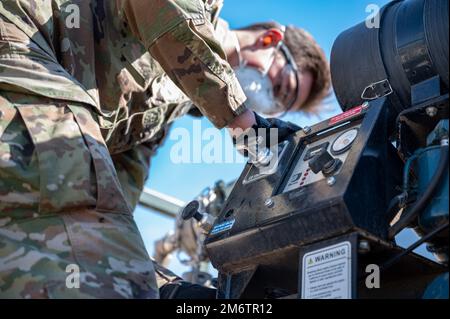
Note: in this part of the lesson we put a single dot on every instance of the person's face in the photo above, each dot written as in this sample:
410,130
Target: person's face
284,78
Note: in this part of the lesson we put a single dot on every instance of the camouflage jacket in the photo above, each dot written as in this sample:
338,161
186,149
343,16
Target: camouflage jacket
59,85
116,58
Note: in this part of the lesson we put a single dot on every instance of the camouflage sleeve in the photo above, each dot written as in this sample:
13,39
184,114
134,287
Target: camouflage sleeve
182,40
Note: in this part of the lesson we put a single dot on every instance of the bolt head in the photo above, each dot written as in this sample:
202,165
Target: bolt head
331,181
307,130
431,111
269,203
363,247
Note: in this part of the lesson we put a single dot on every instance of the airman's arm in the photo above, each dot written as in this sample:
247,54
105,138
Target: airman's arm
179,36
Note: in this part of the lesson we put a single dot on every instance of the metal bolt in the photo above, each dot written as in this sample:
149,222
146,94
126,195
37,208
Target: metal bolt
264,158
269,203
431,111
364,247
444,142
307,130
331,181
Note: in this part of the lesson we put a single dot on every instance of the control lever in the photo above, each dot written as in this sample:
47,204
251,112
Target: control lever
325,163
205,221
258,154
256,146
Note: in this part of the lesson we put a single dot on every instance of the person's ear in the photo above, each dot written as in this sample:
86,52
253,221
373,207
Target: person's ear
270,38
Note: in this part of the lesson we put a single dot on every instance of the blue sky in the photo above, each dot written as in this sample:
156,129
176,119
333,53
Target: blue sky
325,19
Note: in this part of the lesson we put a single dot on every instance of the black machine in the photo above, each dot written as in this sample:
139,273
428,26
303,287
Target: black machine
321,222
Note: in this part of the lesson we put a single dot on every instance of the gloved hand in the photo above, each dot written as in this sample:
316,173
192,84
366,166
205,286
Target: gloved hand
274,126
264,134
256,142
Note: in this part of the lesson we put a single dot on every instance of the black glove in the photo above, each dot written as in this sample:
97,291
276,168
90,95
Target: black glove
255,142
284,129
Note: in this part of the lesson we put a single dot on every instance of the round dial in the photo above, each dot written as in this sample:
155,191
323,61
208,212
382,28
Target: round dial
343,143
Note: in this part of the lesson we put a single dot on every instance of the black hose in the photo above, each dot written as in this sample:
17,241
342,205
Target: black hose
408,250
411,248
424,200
395,205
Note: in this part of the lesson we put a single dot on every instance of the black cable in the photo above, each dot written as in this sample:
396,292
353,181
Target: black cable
424,239
410,249
395,205
424,200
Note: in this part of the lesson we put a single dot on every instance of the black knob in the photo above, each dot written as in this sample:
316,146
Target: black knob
325,163
321,160
191,211
331,167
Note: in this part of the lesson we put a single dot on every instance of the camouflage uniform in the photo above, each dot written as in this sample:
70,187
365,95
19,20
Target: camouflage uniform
79,113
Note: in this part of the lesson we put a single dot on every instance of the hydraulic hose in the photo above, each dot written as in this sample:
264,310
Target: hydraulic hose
400,201
424,200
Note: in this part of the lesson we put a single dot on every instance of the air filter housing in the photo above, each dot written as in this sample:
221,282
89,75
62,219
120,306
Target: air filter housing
410,47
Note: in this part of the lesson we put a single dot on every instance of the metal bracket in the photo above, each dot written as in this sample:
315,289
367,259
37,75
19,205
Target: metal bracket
377,90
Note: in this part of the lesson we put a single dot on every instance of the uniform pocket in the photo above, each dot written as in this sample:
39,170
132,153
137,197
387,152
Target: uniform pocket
110,197
19,175
75,168
71,167
66,174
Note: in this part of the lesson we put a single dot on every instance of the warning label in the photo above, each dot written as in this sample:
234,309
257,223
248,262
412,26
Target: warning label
326,273
344,116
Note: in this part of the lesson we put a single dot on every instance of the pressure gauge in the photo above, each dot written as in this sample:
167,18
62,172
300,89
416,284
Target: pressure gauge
344,142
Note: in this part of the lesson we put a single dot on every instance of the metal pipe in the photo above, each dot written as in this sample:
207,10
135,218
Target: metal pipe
161,203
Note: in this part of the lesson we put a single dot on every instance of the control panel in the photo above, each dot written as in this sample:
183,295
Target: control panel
321,159
333,178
